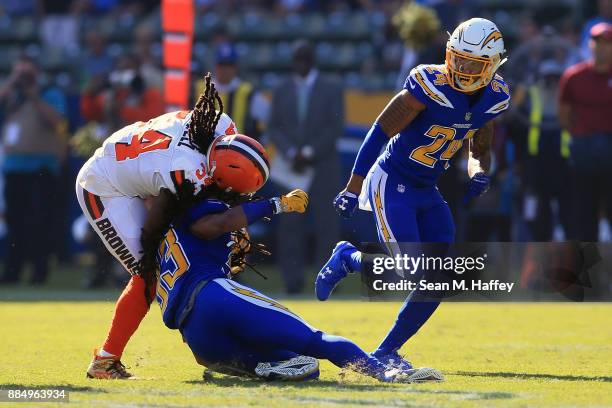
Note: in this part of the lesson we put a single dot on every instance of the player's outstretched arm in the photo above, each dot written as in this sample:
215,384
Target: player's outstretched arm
399,113
214,225
479,162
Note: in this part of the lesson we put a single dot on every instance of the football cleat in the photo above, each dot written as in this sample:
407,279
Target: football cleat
334,270
107,368
393,360
298,368
418,375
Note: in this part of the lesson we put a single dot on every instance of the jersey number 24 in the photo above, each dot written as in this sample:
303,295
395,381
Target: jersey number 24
426,154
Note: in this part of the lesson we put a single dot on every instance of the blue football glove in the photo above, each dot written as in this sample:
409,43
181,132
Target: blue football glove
345,203
479,184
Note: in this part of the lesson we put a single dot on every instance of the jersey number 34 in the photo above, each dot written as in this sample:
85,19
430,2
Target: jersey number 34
426,154
141,143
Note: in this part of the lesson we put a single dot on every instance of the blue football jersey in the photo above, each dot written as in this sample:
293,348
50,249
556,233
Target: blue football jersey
422,150
186,260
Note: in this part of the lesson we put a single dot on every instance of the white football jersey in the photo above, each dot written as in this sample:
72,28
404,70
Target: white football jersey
142,158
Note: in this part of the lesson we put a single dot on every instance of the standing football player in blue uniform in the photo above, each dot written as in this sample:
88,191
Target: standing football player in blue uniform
230,327
440,108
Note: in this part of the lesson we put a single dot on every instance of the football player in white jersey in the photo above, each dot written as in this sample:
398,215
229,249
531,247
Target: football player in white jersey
143,163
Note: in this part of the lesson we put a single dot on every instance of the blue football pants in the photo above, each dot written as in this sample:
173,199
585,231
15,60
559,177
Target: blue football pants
403,214
232,328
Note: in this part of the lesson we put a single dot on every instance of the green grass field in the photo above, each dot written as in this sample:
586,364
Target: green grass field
514,355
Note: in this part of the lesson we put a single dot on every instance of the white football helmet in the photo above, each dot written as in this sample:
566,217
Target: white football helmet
474,52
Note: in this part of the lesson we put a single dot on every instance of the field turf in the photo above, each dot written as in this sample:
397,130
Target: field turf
514,355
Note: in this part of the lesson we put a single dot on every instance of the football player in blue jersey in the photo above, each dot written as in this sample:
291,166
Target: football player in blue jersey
440,108
231,328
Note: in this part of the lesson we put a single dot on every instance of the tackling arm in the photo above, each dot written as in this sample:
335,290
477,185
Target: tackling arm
214,225
480,150
398,114
155,226
157,219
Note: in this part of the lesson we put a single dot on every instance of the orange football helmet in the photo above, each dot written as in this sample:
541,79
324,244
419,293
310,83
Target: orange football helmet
238,163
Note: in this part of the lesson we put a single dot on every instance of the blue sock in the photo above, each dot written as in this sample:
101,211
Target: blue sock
413,314
353,259
417,309
344,353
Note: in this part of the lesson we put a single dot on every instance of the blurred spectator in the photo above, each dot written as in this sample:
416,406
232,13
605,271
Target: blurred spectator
95,59
247,107
60,24
547,45
144,39
604,15
34,148
306,120
125,97
548,197
585,109
419,28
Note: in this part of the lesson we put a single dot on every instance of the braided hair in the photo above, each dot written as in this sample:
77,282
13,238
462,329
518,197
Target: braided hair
182,201
204,119
205,116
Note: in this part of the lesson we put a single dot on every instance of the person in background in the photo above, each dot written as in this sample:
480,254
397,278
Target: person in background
59,27
546,158
585,101
150,65
126,97
95,60
248,107
34,146
604,15
306,120
546,44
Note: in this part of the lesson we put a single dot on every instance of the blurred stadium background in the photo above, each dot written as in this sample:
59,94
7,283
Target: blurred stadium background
98,65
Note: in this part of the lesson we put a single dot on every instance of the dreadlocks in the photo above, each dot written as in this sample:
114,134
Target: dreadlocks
205,116
182,201
204,119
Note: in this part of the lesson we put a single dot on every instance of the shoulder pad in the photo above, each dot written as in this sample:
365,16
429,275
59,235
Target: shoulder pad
426,83
191,166
501,95
226,126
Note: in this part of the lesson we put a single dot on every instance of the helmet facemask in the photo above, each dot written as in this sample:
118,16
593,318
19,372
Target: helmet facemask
468,73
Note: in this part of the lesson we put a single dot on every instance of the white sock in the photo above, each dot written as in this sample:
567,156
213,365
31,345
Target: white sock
104,353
